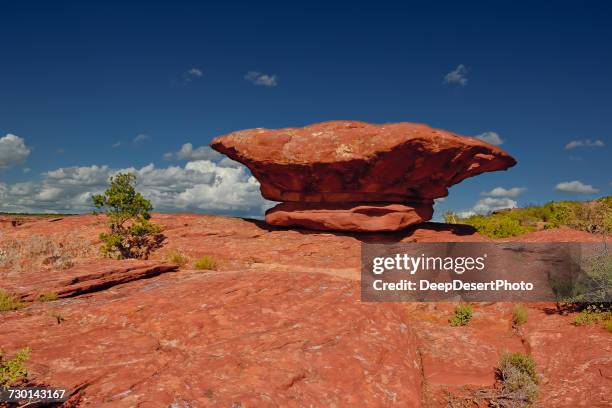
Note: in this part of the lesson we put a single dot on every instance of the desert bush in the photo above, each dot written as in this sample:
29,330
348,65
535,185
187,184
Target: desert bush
47,297
462,316
12,370
519,315
591,216
205,262
177,257
450,217
519,379
9,302
502,225
131,234
593,313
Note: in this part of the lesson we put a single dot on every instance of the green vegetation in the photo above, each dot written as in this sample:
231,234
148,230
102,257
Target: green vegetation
519,315
205,262
47,297
131,234
9,302
519,379
594,313
12,370
177,257
591,216
462,316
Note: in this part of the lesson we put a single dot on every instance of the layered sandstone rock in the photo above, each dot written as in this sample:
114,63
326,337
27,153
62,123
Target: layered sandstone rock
346,175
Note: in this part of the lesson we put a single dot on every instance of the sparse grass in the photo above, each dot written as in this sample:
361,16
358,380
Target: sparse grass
44,252
608,325
12,370
206,262
519,315
519,379
9,302
591,216
462,316
47,297
57,316
177,257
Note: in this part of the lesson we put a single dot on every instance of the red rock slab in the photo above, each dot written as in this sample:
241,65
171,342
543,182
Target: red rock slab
344,161
575,362
221,340
92,276
349,216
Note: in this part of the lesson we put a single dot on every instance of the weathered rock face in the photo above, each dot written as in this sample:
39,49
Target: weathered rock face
356,163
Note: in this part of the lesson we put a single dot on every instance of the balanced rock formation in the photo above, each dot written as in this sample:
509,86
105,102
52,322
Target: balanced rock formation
355,176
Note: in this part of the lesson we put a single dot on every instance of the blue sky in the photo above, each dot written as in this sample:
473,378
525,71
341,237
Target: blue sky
80,81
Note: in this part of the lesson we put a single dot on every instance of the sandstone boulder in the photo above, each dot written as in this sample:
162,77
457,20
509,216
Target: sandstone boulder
356,164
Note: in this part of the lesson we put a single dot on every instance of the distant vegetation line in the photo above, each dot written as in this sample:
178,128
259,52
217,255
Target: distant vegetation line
590,216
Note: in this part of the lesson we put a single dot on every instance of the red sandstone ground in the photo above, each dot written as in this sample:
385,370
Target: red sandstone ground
278,324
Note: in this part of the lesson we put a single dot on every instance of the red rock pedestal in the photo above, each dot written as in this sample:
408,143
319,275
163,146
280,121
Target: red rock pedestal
354,176
365,217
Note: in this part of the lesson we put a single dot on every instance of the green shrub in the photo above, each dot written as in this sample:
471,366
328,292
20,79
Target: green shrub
47,297
177,257
593,313
592,216
462,316
501,225
12,371
519,379
205,262
9,302
450,217
131,234
519,315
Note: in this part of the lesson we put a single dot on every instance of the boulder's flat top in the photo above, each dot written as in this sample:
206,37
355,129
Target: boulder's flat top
279,323
338,141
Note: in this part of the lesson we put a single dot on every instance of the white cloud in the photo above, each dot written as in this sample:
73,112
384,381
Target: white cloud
491,138
488,205
504,192
187,152
258,78
200,185
13,150
457,76
140,138
575,187
192,74
584,143
116,145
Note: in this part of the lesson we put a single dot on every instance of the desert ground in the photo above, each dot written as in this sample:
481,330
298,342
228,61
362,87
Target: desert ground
278,322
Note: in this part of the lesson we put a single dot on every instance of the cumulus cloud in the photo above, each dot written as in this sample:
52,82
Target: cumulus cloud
490,138
584,143
140,138
457,76
13,150
575,187
187,152
192,74
504,192
258,78
200,185
488,205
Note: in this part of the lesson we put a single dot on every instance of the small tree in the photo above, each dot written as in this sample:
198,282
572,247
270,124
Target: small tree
131,233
